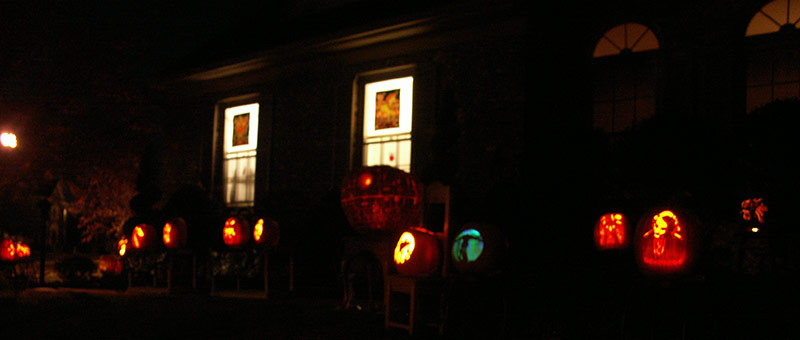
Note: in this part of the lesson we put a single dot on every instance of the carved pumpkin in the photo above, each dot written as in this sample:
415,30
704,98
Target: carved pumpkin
109,265
235,232
611,231
174,233
22,251
382,198
266,232
664,241
479,249
417,253
143,237
8,250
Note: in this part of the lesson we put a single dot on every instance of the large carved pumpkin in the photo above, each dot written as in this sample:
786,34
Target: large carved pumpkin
266,232
382,198
143,237
417,253
611,231
664,239
479,249
235,232
174,233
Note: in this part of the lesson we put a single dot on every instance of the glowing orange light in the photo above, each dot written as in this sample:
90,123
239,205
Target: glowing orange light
167,232
365,180
754,229
229,232
754,206
22,250
122,245
8,250
258,230
404,248
138,236
8,140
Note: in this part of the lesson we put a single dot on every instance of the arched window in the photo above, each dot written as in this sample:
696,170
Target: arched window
625,77
773,71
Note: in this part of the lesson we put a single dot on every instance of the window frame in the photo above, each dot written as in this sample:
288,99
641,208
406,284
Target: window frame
359,128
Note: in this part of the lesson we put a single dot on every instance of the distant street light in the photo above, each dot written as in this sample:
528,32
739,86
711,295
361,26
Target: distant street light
8,140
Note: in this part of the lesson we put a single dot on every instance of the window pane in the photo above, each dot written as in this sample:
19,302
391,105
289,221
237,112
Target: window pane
240,175
645,108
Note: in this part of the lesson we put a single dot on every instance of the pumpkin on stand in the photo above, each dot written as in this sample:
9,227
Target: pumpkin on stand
235,232
174,233
382,198
417,253
611,232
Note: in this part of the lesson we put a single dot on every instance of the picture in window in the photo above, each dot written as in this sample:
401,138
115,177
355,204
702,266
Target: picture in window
241,129
387,109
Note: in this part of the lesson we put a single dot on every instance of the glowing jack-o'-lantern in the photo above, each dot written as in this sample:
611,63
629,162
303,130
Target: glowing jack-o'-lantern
266,232
22,250
143,237
664,241
417,253
235,232
8,250
382,198
174,233
610,232
479,249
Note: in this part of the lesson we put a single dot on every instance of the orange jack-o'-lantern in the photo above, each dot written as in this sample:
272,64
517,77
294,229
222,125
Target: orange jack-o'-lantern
382,198
266,232
174,233
664,241
22,250
8,250
143,237
235,232
417,253
479,249
611,231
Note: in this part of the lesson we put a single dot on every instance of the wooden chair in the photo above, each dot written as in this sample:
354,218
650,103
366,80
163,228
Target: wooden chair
423,292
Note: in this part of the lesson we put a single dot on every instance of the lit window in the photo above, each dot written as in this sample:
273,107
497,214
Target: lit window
624,91
239,163
387,123
772,70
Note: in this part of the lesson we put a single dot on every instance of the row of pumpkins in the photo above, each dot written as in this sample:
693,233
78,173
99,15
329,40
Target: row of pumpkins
13,251
387,199
476,249
236,233
663,239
